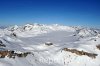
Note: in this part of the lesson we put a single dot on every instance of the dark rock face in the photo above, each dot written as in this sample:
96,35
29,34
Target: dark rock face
1,44
98,46
92,55
48,43
13,34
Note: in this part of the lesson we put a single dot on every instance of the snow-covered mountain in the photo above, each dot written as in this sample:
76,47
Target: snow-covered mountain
49,45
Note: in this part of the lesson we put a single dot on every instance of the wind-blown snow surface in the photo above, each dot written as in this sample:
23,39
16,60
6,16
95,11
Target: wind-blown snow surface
32,38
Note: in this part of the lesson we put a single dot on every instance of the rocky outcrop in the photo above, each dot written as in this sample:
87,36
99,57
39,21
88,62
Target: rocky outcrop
12,54
98,46
1,44
92,55
48,43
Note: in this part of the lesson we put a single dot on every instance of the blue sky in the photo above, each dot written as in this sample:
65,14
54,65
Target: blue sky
65,12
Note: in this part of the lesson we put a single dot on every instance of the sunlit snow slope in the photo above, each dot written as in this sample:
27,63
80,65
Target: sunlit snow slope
49,45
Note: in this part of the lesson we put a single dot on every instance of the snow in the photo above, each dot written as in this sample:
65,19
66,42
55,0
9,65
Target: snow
32,38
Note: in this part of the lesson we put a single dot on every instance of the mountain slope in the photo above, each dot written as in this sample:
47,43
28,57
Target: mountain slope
49,45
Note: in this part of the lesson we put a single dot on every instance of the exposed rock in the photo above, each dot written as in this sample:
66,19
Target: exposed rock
5,53
98,46
48,43
95,40
12,54
1,44
92,55
23,54
13,34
